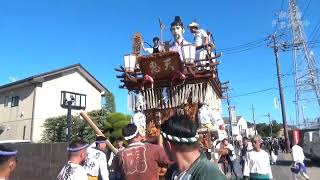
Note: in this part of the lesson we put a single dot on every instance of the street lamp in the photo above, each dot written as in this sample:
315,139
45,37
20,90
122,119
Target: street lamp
189,53
130,62
72,100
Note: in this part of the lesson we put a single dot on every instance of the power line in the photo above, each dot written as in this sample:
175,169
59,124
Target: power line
254,92
315,31
278,20
305,10
246,49
245,45
262,90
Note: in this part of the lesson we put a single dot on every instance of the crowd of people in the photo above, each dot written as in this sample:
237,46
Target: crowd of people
177,157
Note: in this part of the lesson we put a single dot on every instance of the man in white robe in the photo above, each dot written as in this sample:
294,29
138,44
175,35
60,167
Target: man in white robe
257,162
298,158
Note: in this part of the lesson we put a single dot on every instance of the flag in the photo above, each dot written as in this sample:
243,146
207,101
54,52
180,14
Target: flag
276,103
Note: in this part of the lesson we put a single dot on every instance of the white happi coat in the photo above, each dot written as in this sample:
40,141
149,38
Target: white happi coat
72,171
96,163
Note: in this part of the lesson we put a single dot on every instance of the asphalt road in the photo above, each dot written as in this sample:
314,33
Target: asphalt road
281,171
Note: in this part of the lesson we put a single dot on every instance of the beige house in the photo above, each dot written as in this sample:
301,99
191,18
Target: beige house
27,103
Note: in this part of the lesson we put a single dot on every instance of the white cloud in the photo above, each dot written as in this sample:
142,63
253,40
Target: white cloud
12,78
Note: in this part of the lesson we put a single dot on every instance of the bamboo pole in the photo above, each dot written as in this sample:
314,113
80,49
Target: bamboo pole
97,131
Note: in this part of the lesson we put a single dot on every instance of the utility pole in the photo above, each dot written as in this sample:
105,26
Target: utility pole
254,121
69,121
270,124
226,88
283,109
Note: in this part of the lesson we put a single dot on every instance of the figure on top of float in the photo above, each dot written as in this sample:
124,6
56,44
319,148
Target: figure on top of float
202,41
177,31
156,48
201,38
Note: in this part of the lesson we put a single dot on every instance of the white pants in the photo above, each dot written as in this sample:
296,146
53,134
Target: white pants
273,157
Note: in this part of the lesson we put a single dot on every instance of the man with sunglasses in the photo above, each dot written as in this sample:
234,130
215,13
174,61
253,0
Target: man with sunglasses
8,161
257,162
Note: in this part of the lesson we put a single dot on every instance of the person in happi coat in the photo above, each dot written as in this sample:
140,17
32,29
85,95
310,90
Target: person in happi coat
74,170
156,48
139,160
8,161
96,163
180,141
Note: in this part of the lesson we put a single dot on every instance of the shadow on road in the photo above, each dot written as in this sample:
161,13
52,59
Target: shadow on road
284,163
310,163
307,162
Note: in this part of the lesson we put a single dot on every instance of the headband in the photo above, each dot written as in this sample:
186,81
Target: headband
132,136
100,142
78,148
179,139
8,153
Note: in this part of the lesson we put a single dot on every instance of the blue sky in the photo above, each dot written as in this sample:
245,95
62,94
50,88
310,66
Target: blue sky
39,36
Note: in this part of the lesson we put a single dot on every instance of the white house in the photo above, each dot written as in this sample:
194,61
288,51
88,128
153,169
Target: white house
239,128
251,131
27,103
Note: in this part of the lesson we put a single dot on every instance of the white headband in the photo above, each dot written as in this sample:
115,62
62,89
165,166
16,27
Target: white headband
78,148
132,136
8,153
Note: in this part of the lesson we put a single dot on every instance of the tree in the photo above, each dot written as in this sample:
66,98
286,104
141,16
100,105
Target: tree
110,124
110,104
264,129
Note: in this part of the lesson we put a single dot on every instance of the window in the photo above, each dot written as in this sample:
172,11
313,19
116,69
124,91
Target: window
6,101
103,102
15,101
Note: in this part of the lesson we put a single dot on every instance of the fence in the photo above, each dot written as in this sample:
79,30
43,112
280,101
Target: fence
39,161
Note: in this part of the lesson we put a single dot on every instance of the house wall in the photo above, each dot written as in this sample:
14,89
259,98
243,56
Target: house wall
242,123
47,101
251,132
16,120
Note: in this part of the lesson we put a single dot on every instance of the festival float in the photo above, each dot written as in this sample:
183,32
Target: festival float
178,78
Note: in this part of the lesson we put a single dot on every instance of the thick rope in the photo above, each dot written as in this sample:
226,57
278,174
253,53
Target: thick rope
179,139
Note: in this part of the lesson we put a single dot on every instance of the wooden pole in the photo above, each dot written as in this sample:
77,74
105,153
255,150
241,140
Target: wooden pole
97,131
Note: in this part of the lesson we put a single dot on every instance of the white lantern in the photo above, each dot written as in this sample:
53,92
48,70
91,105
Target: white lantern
130,62
189,53
201,54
